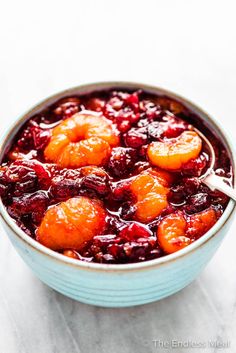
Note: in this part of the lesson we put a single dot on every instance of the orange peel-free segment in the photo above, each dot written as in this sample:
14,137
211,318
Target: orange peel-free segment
81,140
70,224
200,223
172,154
150,191
176,231
171,233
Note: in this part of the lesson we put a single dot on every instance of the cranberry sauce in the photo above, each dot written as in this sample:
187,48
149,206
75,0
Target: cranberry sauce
30,183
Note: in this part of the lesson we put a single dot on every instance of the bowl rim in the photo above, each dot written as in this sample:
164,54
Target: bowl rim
82,265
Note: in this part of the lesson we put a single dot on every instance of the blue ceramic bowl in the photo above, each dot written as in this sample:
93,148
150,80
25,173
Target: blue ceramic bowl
118,285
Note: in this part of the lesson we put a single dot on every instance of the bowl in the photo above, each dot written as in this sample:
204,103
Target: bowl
110,285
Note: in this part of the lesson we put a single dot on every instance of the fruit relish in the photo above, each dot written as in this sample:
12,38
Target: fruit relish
113,177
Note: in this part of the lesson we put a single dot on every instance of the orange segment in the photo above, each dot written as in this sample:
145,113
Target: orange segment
70,224
200,223
91,151
173,153
171,233
81,140
150,191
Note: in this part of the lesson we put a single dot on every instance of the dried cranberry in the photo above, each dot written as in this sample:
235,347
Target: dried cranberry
122,161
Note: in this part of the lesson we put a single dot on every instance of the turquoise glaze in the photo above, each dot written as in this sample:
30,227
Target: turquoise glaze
118,285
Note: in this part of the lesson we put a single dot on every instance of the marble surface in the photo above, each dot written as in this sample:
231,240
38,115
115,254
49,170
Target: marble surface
186,46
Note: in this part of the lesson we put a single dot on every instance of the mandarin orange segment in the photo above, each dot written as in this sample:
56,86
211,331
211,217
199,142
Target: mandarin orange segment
149,208
200,223
171,233
81,140
172,154
91,151
150,194
164,177
100,126
71,253
70,224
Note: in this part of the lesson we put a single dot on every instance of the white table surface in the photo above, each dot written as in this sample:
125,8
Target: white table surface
185,46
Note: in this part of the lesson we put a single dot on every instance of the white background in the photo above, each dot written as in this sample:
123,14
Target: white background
185,46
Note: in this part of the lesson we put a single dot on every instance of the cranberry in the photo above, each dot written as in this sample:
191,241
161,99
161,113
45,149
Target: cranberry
134,231
97,183
122,161
155,130
121,190
33,137
66,107
143,122
23,178
116,251
124,126
142,165
133,100
136,137
198,202
177,194
173,126
25,141
191,185
3,190
27,172
171,105
218,197
127,114
62,189
95,104
127,210
195,167
151,110
115,224
40,138
115,104
34,204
